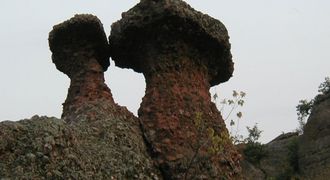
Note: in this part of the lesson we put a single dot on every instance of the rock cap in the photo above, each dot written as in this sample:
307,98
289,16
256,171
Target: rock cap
160,20
82,35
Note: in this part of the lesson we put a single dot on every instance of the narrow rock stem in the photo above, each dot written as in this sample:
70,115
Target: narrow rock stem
86,87
177,114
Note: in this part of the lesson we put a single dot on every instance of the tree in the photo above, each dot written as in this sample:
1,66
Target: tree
304,108
324,87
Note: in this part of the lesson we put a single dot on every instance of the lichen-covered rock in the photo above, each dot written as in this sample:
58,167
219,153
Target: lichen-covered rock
77,39
80,50
181,53
314,151
279,161
251,172
49,148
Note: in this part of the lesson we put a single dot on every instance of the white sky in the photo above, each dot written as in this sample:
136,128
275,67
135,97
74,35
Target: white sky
280,49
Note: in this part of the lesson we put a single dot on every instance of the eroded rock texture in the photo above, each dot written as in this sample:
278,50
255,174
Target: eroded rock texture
251,172
314,146
280,160
97,139
80,50
49,148
181,53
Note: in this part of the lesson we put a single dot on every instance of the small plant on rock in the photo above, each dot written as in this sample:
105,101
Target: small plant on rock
254,150
231,106
304,108
213,145
324,87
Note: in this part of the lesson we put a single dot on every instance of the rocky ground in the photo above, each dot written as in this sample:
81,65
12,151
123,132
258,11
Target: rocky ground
49,148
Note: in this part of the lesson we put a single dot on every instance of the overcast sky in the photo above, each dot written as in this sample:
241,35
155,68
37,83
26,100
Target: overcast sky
280,49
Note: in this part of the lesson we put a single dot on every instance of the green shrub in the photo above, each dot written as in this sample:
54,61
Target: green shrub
254,150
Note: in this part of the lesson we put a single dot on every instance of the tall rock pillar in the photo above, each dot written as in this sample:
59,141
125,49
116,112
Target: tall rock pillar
80,50
108,141
182,53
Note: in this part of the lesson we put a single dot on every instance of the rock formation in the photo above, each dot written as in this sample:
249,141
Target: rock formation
281,159
306,156
182,53
279,162
314,144
80,50
179,133
97,140
251,172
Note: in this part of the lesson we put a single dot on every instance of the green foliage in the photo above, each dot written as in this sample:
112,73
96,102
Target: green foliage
254,150
217,142
213,142
324,87
229,107
305,106
304,109
254,134
236,101
198,121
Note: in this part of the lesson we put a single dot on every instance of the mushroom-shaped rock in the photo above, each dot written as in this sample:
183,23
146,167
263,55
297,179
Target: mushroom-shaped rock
77,42
80,50
181,53
108,142
158,27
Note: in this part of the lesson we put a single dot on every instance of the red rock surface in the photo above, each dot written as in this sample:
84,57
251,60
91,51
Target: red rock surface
181,53
79,48
174,99
86,90
97,139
